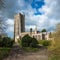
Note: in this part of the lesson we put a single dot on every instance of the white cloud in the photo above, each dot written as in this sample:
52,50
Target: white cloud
10,23
51,15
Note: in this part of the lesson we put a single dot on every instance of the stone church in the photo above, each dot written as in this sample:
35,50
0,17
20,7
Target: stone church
19,29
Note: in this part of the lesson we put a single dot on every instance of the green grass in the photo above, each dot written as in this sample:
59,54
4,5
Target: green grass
45,43
19,42
4,52
41,41
55,54
30,49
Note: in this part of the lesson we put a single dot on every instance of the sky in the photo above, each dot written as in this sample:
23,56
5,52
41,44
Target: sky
40,13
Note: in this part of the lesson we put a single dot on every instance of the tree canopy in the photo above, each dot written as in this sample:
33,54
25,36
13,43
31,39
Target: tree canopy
43,30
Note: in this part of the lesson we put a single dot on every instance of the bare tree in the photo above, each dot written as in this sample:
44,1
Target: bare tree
2,4
3,26
2,22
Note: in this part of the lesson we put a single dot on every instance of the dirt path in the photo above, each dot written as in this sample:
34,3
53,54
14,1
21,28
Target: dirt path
18,54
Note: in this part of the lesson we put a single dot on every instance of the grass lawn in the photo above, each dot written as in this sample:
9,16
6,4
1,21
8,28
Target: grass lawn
55,54
4,52
30,49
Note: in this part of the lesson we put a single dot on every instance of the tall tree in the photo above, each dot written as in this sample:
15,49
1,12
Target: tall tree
43,30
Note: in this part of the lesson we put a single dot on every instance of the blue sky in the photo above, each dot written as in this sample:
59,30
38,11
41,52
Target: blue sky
40,13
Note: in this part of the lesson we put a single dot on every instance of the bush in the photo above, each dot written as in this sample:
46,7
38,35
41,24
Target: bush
45,42
34,43
28,41
4,52
6,42
0,42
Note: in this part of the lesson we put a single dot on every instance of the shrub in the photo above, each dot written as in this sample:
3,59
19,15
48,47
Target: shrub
6,42
34,43
4,52
45,42
28,41
1,42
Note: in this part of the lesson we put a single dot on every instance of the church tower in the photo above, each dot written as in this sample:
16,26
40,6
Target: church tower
19,25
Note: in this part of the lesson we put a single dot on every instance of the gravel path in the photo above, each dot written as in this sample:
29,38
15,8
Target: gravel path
18,54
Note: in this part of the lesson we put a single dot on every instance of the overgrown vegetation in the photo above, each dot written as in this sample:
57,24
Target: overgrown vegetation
54,54
55,51
45,42
31,44
5,46
28,41
6,42
30,49
4,52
